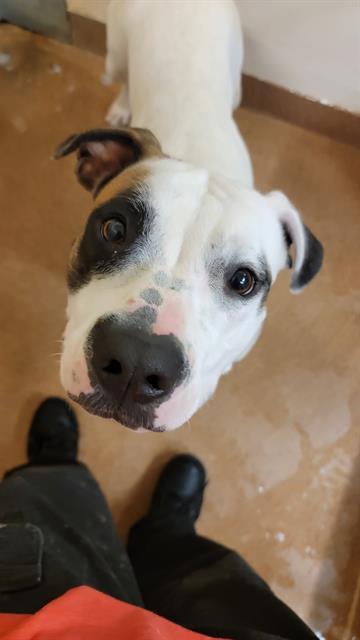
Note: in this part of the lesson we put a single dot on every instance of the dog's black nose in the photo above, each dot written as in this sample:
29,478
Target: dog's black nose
133,366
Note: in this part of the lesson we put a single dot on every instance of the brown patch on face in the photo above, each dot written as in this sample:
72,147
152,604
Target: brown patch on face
150,145
109,163
73,261
128,180
74,252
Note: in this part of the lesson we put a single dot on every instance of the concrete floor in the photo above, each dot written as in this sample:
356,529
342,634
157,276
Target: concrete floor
280,438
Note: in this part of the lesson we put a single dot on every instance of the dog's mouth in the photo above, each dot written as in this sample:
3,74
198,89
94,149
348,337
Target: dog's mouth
137,418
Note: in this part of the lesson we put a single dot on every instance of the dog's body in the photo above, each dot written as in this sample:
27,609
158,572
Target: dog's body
183,72
168,282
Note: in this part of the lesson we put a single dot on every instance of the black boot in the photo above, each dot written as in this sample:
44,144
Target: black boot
54,434
180,489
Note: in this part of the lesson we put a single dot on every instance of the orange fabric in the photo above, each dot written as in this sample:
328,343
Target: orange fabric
86,614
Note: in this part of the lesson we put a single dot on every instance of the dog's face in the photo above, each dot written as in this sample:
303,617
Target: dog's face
168,282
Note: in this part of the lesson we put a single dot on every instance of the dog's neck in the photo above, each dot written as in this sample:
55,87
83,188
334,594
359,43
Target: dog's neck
203,134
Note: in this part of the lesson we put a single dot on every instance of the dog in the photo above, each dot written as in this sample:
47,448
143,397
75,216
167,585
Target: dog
169,280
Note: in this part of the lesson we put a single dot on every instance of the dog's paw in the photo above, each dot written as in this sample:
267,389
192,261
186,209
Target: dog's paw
118,114
106,79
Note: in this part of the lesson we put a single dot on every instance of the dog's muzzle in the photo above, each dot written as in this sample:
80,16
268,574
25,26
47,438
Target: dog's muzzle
132,371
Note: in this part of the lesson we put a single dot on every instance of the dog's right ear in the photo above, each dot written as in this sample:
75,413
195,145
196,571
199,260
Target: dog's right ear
103,153
309,251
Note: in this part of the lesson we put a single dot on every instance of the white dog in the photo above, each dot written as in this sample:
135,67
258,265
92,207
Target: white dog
169,280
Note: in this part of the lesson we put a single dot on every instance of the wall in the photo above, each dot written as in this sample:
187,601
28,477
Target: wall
42,16
94,9
311,47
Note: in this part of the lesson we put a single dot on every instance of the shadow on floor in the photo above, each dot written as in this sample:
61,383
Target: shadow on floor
345,626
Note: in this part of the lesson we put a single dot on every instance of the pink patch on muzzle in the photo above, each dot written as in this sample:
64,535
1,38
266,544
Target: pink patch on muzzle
170,319
80,382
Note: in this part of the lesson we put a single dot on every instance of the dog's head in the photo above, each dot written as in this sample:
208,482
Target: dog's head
168,282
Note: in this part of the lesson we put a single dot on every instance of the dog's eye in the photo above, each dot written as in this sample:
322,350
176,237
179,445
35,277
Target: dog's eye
243,282
113,231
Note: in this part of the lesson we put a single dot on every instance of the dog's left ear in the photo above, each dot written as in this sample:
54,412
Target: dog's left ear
308,250
103,153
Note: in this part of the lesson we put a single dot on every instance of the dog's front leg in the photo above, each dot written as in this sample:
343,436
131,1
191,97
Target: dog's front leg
119,112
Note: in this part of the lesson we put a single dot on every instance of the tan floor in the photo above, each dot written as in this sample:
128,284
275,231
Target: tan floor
281,436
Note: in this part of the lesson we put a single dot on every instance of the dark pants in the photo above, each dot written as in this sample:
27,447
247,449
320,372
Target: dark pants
59,534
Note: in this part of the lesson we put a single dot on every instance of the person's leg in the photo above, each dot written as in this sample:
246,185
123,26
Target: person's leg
56,531
195,582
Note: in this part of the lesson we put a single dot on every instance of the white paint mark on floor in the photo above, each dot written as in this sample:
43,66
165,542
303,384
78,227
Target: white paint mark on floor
56,68
19,124
280,536
305,570
5,60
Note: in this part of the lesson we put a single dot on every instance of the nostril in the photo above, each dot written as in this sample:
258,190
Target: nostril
113,367
155,382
